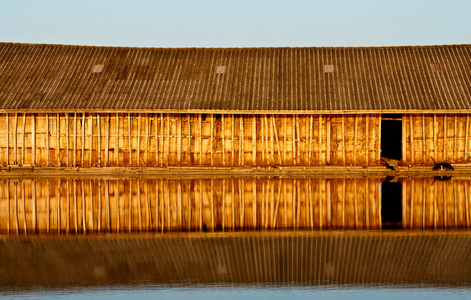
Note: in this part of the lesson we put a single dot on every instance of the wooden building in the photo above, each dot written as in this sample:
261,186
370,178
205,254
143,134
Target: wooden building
80,106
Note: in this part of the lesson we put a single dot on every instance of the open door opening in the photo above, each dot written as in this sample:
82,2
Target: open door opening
391,205
391,136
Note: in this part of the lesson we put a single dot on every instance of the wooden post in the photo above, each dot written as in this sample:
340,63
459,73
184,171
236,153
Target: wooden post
272,140
343,141
190,153
23,152
90,126
168,139
98,120
223,138
15,140
117,149
162,145
263,139
59,207
48,154
423,139
129,138
200,123
320,139
212,139
58,125
242,141
367,140
8,142
156,146
298,136
84,206
285,119
412,150
445,139
139,123
466,139
83,140
455,133
254,140
311,122
75,140
329,120
33,139
380,133
232,139
147,139
107,141
435,129
294,139
355,140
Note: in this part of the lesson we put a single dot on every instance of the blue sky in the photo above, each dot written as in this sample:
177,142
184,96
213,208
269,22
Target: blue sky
236,23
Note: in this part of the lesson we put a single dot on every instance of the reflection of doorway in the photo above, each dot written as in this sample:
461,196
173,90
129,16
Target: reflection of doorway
391,205
391,136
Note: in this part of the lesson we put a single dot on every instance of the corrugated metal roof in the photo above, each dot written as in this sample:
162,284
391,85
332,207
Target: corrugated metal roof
59,77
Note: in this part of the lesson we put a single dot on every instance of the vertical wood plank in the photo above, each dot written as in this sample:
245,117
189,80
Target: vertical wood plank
90,126
139,125
264,147
455,133
168,139
98,120
367,140
272,140
162,145
75,140
156,146
33,139
212,139
107,141
83,141
23,152
435,129
355,140
48,146
285,120
379,140
328,132
343,140
242,142
68,139
445,139
223,139
117,145
466,139
200,123
190,152
129,137
423,139
254,140
320,141
148,125
15,140
232,140
293,135
310,146
8,141
412,150
404,141
58,141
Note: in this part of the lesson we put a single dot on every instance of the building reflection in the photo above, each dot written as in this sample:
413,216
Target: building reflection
162,204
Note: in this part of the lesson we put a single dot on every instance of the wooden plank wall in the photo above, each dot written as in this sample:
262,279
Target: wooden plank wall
432,203
433,138
153,139
125,205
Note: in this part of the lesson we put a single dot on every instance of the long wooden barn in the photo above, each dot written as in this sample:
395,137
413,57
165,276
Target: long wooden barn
81,106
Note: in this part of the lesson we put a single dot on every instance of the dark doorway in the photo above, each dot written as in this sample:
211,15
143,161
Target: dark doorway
391,205
391,136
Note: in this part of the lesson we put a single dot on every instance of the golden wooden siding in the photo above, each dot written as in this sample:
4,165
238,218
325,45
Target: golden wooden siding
435,138
431,203
88,205
91,140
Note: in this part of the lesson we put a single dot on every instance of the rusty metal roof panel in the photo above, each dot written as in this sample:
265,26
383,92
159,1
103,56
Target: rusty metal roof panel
47,77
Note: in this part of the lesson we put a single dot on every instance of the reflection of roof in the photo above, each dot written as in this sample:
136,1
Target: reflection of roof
287,259
238,79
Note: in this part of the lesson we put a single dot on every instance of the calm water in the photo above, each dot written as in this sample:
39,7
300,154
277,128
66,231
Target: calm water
233,237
